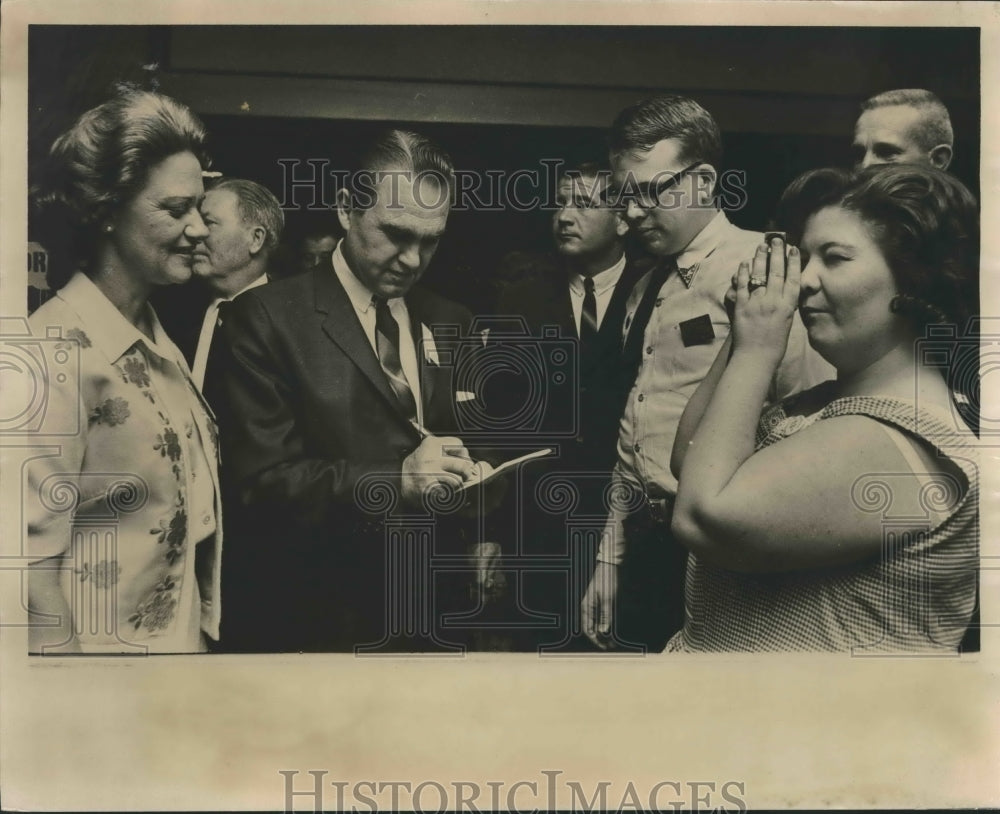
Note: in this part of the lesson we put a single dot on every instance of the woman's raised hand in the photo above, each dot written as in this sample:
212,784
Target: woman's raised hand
766,302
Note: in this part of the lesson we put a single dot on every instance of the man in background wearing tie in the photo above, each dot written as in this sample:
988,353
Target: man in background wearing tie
665,156
244,223
336,380
583,296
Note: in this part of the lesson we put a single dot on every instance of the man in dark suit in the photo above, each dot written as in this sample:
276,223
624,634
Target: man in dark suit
582,296
341,402
245,223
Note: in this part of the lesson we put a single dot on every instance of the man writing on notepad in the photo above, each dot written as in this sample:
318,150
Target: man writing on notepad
342,403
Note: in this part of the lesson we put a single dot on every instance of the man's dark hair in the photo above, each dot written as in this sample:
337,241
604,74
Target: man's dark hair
400,150
639,127
591,170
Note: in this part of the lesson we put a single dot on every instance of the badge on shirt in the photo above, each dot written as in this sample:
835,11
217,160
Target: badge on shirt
697,331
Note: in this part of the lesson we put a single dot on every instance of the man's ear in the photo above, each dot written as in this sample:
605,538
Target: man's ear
344,209
704,183
940,156
258,237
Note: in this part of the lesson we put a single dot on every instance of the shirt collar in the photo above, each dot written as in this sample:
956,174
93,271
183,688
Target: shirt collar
107,327
603,280
258,282
359,294
701,247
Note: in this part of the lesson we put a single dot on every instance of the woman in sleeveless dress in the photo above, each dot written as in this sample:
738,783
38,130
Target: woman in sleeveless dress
845,518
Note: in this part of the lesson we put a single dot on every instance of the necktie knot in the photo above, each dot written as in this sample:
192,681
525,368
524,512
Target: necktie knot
588,285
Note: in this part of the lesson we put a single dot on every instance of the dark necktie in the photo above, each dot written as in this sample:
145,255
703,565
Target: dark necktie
214,362
387,348
588,318
224,307
632,351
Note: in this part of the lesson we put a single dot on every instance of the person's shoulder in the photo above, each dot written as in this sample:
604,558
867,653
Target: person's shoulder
60,320
732,245
278,297
432,307
739,237
282,288
54,308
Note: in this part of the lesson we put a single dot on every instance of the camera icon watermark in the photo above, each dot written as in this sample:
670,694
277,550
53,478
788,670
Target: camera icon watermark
510,383
965,355
30,366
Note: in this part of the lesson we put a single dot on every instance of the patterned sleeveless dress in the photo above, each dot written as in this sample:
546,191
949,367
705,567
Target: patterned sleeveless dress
917,596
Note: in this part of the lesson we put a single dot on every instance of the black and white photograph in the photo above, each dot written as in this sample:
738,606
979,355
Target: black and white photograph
498,406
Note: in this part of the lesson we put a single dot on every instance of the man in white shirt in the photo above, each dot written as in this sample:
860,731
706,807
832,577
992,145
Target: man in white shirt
583,297
665,159
244,223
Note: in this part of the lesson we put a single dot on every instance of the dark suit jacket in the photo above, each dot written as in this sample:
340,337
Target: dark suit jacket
597,405
310,429
181,309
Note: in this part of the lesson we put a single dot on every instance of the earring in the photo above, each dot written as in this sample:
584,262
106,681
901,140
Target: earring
108,228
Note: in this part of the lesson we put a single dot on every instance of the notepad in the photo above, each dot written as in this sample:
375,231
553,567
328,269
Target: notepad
506,466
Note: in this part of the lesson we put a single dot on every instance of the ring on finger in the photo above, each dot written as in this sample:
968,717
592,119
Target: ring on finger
755,283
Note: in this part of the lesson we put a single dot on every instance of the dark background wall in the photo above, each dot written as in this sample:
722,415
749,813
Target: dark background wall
504,98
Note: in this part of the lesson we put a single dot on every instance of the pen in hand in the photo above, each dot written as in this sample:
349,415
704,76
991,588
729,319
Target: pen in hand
455,451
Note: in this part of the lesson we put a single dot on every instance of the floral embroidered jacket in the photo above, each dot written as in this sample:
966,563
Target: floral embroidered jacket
129,485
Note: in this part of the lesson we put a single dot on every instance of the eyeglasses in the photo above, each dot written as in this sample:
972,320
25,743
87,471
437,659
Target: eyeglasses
645,195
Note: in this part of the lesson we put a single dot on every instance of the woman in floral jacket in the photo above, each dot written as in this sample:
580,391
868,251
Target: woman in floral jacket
123,518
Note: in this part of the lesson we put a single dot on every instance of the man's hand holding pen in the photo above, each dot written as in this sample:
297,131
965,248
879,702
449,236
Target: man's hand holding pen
439,461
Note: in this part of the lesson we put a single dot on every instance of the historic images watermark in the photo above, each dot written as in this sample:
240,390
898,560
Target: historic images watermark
315,790
311,184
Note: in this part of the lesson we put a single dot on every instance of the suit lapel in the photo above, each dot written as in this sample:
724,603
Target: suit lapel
341,324
426,367
611,325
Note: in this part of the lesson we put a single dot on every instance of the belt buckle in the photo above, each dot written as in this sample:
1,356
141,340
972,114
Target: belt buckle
657,508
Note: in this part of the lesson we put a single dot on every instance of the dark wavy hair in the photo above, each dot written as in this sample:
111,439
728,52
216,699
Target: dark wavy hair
99,165
926,224
639,127
924,220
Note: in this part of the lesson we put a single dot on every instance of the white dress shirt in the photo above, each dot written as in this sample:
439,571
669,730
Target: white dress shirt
604,287
361,299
